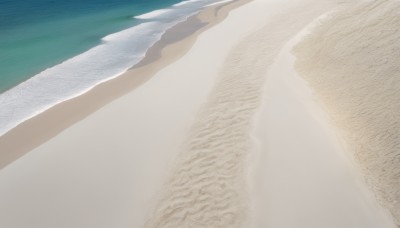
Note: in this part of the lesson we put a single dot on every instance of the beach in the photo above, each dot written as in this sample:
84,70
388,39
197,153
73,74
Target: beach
358,87
215,127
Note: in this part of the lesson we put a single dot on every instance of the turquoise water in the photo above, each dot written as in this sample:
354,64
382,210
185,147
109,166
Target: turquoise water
53,51
38,34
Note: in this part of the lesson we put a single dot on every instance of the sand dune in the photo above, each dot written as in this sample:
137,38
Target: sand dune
352,62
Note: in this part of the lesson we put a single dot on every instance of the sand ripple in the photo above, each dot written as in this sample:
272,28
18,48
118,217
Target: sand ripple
207,188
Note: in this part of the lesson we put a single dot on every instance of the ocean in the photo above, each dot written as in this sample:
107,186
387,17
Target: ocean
37,34
54,50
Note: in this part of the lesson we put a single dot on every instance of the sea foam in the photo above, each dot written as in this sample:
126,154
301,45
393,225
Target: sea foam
116,54
154,14
185,3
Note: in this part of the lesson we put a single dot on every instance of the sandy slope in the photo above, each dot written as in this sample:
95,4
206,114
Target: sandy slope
303,176
175,151
208,186
352,62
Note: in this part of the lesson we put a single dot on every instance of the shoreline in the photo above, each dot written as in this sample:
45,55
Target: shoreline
225,134
113,163
44,126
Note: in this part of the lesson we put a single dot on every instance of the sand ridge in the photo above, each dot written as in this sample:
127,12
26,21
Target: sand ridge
107,169
351,60
208,187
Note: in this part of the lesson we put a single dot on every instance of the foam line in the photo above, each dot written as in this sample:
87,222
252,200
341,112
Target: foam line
154,14
116,54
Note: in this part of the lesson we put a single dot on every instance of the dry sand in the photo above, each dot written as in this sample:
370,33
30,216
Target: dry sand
207,186
178,150
302,176
351,60
106,170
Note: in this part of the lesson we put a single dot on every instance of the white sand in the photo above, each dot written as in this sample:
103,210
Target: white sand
208,186
303,176
352,62
108,170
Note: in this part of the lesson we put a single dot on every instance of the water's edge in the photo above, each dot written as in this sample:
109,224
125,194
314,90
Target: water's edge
116,54
46,125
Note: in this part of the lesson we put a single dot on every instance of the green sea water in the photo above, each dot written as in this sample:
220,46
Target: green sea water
38,34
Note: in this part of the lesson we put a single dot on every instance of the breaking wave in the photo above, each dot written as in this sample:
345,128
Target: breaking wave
116,54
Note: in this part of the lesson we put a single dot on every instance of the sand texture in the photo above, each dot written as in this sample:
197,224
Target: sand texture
107,169
207,187
351,60
301,174
214,129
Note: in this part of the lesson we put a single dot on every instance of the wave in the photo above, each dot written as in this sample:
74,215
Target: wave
154,14
185,2
115,55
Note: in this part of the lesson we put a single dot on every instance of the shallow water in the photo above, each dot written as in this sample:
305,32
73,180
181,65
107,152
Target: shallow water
38,34
106,56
